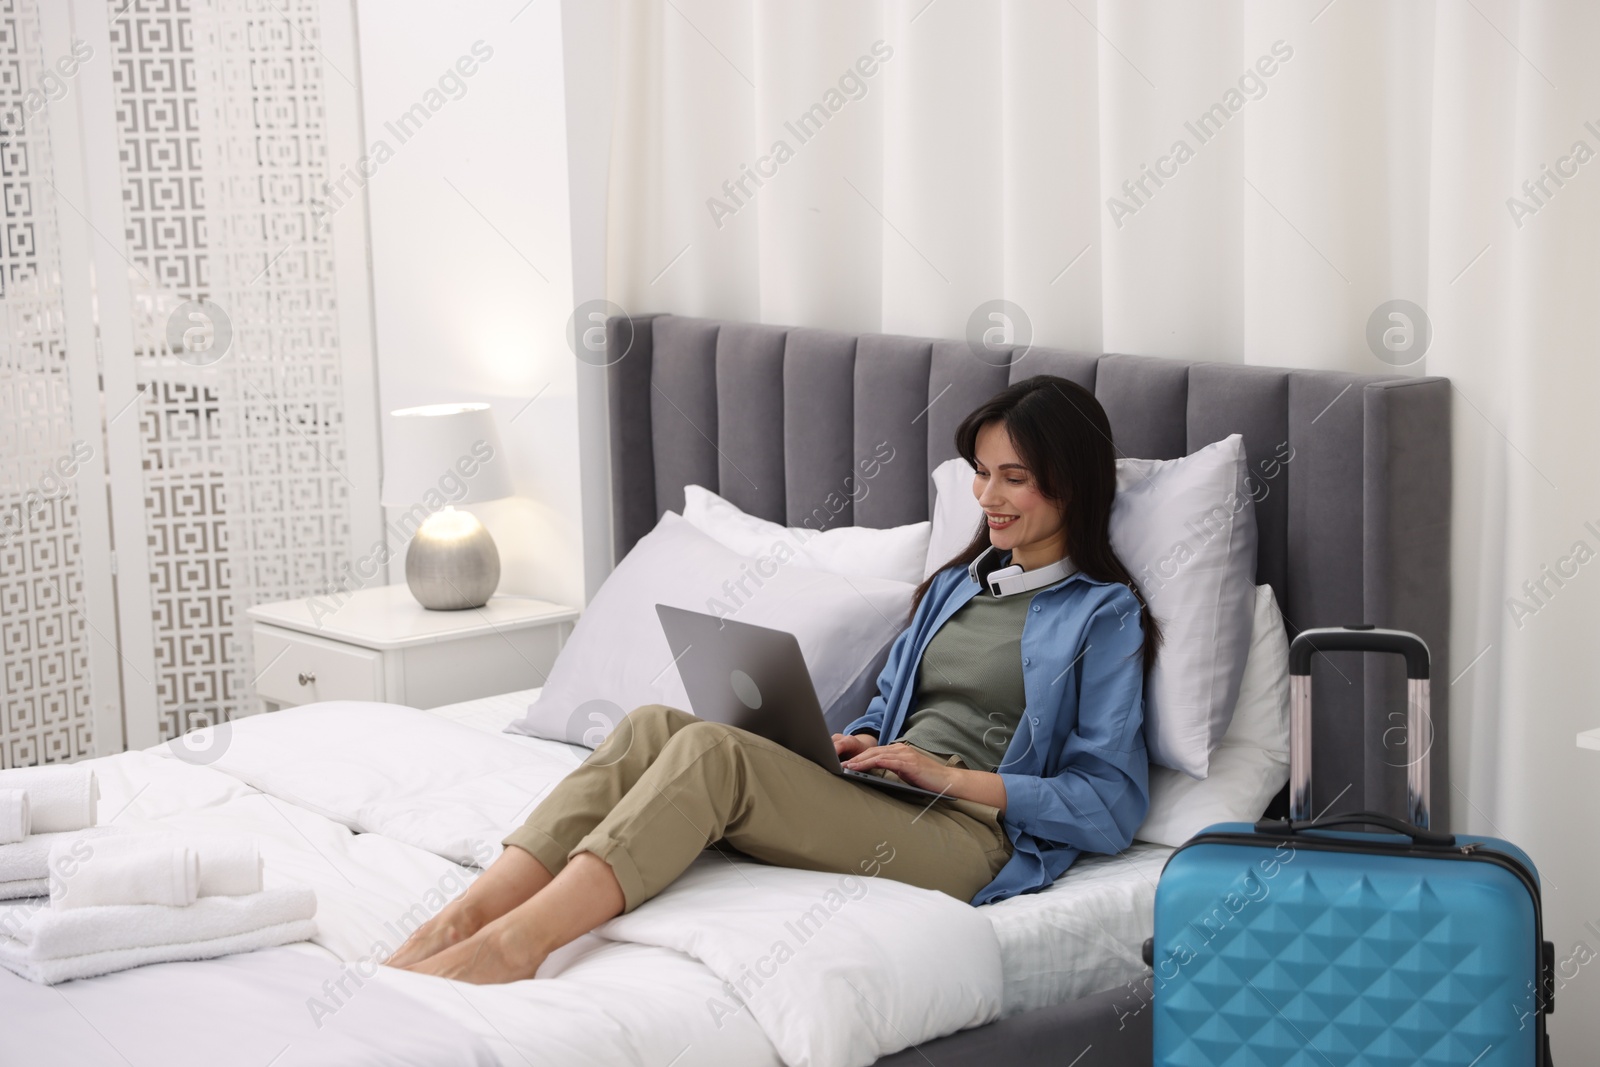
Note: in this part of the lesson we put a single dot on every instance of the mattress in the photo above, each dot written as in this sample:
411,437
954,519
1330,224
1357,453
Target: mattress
1080,936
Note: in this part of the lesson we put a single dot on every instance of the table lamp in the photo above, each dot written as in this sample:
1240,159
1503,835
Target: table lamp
441,455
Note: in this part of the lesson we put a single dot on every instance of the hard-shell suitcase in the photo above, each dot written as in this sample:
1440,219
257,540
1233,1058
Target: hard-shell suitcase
1285,943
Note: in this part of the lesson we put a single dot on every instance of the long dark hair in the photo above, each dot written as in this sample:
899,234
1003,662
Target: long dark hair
1063,436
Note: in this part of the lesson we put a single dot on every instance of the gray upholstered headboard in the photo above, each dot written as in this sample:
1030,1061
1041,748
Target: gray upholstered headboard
1355,469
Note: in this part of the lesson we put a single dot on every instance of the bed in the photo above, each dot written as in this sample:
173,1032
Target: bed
384,809
374,841
1355,528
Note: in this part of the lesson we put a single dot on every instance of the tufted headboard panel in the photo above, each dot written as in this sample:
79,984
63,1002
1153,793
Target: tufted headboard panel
1351,474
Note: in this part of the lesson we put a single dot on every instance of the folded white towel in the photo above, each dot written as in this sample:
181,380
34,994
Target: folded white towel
60,797
22,888
48,934
16,820
123,869
29,859
16,919
13,955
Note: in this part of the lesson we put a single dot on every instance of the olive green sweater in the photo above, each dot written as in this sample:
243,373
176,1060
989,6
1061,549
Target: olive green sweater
969,695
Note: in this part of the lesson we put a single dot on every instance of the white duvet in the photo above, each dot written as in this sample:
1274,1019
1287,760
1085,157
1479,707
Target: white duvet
377,806
1080,936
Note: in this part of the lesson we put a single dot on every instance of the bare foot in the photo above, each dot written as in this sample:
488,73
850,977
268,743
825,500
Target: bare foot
492,956
450,927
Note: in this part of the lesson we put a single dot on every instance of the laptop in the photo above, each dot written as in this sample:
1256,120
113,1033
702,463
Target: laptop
756,679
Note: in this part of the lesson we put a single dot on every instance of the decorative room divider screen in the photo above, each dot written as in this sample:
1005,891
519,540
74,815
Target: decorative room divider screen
186,389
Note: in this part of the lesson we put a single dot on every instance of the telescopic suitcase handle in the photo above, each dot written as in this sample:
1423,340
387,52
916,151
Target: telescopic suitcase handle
1417,834
1357,639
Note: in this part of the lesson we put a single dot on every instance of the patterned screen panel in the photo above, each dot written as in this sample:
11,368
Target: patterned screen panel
45,703
223,148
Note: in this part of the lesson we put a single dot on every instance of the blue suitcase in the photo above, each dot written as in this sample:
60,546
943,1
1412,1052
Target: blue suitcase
1287,943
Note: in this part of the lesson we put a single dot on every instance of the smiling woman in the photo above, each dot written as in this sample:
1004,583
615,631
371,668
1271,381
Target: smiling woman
1032,704
1045,475
1019,517
1024,786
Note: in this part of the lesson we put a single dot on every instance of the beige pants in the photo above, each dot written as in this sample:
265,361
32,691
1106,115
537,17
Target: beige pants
665,785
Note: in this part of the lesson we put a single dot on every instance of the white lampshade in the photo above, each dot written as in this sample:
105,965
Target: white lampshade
439,449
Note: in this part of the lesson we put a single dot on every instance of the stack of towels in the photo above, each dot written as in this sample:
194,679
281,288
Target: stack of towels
93,900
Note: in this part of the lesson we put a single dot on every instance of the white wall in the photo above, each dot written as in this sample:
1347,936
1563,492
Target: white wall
471,262
587,27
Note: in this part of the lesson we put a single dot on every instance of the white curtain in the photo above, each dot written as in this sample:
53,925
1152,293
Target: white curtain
1361,152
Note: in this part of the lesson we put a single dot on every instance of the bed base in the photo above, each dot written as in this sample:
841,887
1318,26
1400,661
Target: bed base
1104,1030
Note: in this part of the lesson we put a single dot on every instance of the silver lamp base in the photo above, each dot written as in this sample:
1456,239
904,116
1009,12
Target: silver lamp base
451,563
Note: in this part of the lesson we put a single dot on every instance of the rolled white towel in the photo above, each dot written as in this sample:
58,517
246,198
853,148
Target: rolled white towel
16,820
122,869
230,866
60,798
47,934
29,859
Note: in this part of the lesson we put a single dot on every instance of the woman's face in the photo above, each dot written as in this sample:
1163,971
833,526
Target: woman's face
1019,517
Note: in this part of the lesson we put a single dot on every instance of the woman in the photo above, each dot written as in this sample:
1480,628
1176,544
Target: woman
1029,720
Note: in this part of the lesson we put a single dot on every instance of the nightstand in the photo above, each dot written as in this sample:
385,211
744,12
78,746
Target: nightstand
380,644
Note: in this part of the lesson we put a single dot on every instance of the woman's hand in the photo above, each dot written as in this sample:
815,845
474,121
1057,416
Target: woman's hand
912,765
847,745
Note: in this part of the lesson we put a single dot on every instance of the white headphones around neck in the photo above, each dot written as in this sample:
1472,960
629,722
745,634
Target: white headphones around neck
1006,581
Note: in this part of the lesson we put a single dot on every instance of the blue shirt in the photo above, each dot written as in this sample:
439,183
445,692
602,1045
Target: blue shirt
1076,772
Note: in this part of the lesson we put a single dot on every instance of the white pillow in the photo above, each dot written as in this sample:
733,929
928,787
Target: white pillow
956,514
1186,530
895,554
1252,762
617,657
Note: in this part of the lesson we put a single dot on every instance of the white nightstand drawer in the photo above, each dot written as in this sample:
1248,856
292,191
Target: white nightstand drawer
380,644
299,669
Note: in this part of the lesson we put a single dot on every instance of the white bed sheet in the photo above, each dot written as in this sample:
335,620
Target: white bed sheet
1080,936
242,1009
